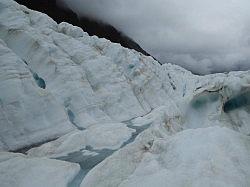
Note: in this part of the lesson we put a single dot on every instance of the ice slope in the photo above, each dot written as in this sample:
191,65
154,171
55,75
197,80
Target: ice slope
124,118
67,59
99,136
202,144
212,156
18,170
91,79
28,114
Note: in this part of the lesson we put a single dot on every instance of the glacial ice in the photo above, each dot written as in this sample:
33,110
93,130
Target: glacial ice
28,114
19,170
99,136
111,113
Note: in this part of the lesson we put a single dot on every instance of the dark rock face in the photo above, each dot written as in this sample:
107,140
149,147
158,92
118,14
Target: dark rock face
92,27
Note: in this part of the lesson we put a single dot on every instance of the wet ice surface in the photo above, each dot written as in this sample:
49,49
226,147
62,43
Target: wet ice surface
139,129
89,157
87,162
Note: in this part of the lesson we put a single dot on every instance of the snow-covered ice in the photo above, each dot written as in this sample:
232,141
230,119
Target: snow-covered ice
19,170
126,120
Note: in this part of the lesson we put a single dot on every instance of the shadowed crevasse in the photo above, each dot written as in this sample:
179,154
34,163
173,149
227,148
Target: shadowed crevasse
236,102
39,81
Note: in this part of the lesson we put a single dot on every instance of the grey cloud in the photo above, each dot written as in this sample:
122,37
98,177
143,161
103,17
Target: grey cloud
202,36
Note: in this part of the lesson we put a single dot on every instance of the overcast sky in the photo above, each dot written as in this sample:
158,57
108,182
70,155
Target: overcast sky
203,36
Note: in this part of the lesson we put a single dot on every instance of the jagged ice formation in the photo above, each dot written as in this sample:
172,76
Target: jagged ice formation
88,112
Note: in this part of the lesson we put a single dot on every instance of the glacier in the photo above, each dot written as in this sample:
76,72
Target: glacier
78,110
